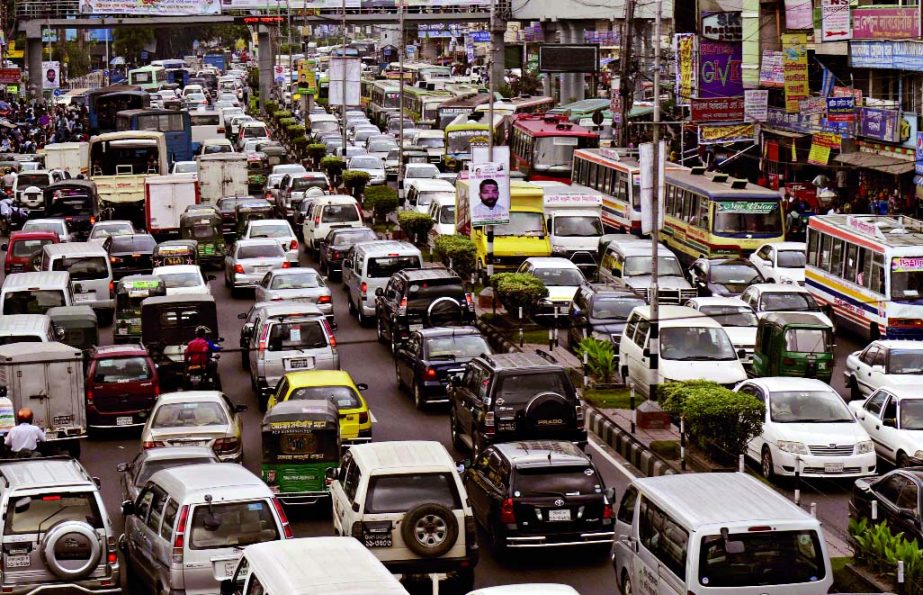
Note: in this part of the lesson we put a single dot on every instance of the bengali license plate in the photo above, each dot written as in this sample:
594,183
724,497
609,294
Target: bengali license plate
301,363
62,420
84,297
224,569
18,561
833,467
377,540
171,260
125,420
559,515
415,327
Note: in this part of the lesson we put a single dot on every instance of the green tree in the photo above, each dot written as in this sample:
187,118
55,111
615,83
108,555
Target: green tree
76,58
129,42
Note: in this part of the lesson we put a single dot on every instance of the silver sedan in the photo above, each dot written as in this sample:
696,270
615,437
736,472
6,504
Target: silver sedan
249,260
301,284
196,418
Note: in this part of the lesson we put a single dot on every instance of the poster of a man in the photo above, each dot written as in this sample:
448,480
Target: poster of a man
491,181
52,71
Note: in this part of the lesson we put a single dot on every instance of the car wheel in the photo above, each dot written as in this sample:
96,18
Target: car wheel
363,319
453,429
380,330
419,400
245,359
397,375
350,307
854,393
227,281
625,584
902,459
497,537
766,464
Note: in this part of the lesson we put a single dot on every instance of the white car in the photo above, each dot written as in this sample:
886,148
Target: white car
893,417
287,168
114,227
807,426
57,226
185,167
781,297
184,279
275,229
418,171
736,317
562,278
781,262
884,363
374,166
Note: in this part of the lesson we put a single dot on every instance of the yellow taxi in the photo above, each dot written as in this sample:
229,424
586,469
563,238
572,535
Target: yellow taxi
355,419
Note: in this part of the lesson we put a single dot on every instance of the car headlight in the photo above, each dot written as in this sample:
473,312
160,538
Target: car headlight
865,447
793,447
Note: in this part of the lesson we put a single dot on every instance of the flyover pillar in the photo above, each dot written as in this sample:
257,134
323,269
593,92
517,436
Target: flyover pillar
34,62
264,41
498,51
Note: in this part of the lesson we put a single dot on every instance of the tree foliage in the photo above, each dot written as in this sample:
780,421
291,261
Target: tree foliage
515,290
129,42
456,252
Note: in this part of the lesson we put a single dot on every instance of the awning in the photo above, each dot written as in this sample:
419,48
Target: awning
882,163
784,133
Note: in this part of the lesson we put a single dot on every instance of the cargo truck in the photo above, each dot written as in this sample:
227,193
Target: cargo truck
74,158
165,199
222,174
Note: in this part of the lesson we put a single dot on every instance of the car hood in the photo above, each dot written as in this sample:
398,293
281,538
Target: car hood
820,433
796,275
724,372
293,294
188,291
742,336
644,281
609,328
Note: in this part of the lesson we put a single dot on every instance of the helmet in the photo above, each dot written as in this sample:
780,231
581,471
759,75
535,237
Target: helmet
201,331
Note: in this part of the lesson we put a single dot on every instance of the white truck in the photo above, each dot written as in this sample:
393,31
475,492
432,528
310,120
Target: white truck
165,199
573,214
48,379
222,174
74,158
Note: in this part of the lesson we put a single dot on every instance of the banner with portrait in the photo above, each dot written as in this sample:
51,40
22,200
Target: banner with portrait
489,193
51,75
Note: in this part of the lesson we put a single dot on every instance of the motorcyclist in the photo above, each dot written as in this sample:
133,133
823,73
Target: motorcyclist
199,353
11,214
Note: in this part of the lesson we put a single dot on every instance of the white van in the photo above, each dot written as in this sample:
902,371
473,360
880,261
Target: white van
368,266
35,293
90,273
442,210
311,566
421,192
573,214
692,345
627,263
709,533
327,212
26,328
320,124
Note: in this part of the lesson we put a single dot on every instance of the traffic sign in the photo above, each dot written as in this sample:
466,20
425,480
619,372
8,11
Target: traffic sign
57,92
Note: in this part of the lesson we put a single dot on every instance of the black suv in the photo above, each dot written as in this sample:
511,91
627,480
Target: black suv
540,494
418,298
600,311
514,396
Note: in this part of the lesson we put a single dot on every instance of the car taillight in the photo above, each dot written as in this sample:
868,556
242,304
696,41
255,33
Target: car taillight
286,528
293,245
286,264
580,416
268,195
225,444
363,417
507,514
111,289
151,444
489,428
115,259
221,131
89,395
607,511
156,389
317,220
363,289
92,220
264,338
179,537
402,308
329,329
787,361
469,299
113,555
239,269
324,299
430,373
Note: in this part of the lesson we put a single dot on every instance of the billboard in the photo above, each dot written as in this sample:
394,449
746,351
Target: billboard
151,7
351,67
568,58
720,73
51,75
491,182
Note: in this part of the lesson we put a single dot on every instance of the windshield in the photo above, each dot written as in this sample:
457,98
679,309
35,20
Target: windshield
906,279
233,524
447,215
430,142
426,198
425,173
260,251
911,414
308,182
733,274
287,336
560,277
557,480
151,467
667,266
132,243
788,302
522,224
365,163
791,259
296,281
458,347
26,248
52,226
519,389
733,218
255,132
83,268
24,180
348,238
270,231
344,396
578,226
399,493
189,415
808,340
122,369
380,147
614,308
318,128
696,344
215,149
296,443
339,214
905,361
32,302
385,266
731,315
808,407
186,168
288,168
460,140
175,280
768,558
554,153
31,514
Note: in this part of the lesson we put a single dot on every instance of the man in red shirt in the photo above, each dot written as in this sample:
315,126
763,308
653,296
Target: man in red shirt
198,350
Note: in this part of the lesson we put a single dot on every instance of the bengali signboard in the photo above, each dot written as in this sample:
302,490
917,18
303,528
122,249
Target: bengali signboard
918,154
152,7
756,105
720,72
722,26
819,155
10,76
841,109
771,73
685,44
834,22
726,133
718,109
813,106
799,14
895,55
879,124
899,22
827,139
795,68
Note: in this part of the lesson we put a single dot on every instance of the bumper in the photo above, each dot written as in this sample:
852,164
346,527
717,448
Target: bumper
302,498
431,565
291,255
366,309
97,586
106,420
563,540
248,280
815,466
235,456
547,309
97,304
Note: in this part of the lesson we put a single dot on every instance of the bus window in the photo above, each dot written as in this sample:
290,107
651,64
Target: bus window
813,240
851,268
836,260
823,259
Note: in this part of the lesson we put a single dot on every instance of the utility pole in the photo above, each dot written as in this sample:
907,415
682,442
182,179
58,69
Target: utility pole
344,62
400,101
625,90
491,84
654,342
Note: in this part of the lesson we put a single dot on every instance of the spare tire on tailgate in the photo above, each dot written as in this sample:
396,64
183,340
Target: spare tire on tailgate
429,530
71,549
550,412
444,311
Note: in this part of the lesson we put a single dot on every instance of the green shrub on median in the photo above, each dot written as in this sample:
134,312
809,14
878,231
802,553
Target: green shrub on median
600,358
380,201
515,290
416,226
456,252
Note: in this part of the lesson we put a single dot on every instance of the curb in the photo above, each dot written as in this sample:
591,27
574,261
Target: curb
496,339
626,445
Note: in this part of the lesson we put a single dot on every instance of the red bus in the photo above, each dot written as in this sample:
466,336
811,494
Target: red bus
542,146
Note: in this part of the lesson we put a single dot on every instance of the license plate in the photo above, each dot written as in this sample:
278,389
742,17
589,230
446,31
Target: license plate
84,297
18,561
224,569
377,540
171,260
833,467
509,426
301,363
62,420
559,515
124,420
415,327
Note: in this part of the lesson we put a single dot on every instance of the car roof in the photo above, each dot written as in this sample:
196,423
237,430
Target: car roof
401,455
177,299
293,271
448,331
804,318
177,268
44,473
720,301
261,222
778,288
551,262
75,249
678,316
32,235
385,247
527,589
427,274
224,481
519,361
542,453
14,323
900,344
121,350
787,246
335,199
432,185
37,279
444,199
308,378
785,383
292,308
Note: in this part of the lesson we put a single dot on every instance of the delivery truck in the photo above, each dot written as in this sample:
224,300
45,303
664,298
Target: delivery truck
573,215
74,158
165,199
222,174
48,379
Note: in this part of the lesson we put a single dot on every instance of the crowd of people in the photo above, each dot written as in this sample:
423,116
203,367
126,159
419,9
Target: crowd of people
28,125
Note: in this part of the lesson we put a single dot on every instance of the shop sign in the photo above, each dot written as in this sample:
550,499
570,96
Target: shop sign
918,155
827,139
722,26
718,109
906,265
908,130
813,106
771,73
727,133
795,68
10,75
819,155
746,206
756,105
899,22
841,109
685,44
894,55
720,72
879,124
834,20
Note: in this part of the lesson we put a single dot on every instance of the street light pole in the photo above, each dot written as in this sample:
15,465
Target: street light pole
288,75
654,343
491,86
400,99
343,84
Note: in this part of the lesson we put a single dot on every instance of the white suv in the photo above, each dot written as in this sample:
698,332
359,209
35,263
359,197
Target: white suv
406,502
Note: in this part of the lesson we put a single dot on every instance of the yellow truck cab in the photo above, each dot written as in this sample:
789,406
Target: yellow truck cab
524,236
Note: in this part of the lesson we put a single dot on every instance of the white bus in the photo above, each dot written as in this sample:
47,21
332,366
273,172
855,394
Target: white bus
867,270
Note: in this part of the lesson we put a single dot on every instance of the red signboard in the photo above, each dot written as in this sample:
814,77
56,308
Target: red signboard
10,75
718,109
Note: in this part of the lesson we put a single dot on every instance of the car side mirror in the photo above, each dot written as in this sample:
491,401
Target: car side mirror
355,507
463,465
380,291
908,513
122,467
78,288
247,330
210,277
610,495
741,353
362,386
646,352
128,508
240,408
242,316
331,473
890,422
5,247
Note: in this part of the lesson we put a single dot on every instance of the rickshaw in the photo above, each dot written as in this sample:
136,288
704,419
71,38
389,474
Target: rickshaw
130,291
252,210
175,252
168,323
76,202
793,344
76,326
301,440
257,171
203,225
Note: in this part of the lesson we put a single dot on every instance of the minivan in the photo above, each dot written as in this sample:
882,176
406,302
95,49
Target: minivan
35,293
368,266
708,533
692,345
26,328
328,212
22,248
185,530
627,263
90,273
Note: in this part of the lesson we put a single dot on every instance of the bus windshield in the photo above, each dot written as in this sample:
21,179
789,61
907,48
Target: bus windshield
554,153
906,279
738,218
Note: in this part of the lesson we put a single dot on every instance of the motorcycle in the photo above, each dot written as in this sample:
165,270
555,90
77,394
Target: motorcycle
199,377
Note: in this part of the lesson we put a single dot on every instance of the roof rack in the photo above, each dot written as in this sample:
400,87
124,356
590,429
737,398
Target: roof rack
546,356
489,359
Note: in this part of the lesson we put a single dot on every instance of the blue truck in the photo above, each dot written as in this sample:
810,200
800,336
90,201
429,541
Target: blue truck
216,60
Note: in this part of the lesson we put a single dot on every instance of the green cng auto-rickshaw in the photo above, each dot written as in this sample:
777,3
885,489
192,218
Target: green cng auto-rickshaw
168,323
252,210
203,224
130,291
793,344
175,252
76,326
301,440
